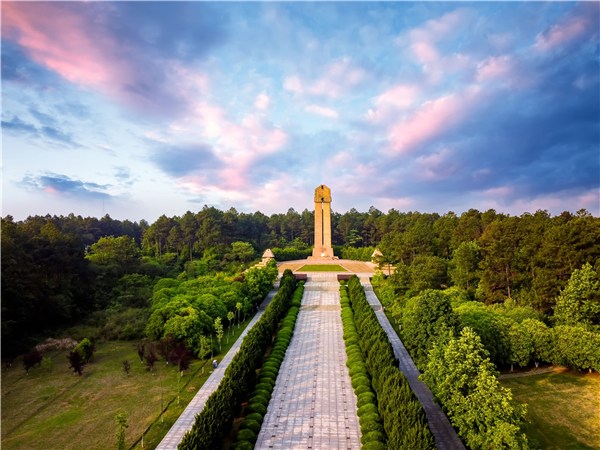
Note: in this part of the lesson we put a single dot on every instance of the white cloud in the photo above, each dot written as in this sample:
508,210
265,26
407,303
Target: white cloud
322,111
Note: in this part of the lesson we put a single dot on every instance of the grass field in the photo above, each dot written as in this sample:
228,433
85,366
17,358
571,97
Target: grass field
563,408
321,268
54,409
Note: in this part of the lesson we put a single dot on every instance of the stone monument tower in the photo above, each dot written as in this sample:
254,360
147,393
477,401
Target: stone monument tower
322,249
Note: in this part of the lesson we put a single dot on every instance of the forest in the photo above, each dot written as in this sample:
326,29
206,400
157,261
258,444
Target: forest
59,271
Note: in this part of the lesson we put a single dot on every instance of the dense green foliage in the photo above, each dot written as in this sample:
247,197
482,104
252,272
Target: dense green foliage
212,423
372,429
57,270
187,309
464,380
403,417
265,384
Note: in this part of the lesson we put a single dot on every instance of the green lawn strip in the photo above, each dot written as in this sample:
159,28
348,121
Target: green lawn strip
56,409
562,408
321,268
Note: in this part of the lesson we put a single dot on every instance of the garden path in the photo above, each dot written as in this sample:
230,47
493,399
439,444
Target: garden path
313,404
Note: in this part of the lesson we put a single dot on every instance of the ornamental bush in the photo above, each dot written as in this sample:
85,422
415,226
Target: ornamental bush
243,445
367,408
373,436
255,417
251,425
246,434
257,408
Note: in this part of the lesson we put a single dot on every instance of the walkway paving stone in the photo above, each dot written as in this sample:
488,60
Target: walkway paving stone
313,404
185,422
445,436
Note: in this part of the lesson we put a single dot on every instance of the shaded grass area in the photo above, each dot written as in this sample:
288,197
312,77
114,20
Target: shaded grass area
321,268
51,409
563,408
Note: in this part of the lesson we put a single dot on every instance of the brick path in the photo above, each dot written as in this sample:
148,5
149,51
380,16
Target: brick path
313,404
185,422
445,436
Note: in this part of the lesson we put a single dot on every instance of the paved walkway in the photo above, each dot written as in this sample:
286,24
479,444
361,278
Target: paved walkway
313,404
185,422
445,436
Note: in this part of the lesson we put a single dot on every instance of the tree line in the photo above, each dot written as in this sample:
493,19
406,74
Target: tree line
57,270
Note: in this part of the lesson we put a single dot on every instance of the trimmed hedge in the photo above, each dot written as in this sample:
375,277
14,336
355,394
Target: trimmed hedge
368,414
403,418
214,421
271,366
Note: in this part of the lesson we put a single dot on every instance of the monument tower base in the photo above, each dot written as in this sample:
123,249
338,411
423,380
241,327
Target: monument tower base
322,253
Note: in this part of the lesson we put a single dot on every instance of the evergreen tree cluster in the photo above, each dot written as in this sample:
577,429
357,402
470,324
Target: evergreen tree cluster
403,417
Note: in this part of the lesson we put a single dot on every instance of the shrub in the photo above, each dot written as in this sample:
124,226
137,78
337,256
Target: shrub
255,417
246,435
251,425
362,388
360,380
259,399
366,409
375,445
369,417
365,398
371,425
373,436
257,408
244,445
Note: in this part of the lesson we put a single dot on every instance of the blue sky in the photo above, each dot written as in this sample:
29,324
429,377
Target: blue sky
141,109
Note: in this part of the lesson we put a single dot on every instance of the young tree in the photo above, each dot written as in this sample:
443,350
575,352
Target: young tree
76,362
126,367
203,348
238,307
521,345
122,425
230,316
219,331
141,349
31,359
464,265
150,357
579,302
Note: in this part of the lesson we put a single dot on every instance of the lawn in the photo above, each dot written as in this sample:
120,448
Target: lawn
52,408
321,268
563,408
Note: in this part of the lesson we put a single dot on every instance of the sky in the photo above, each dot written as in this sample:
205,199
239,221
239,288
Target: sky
137,109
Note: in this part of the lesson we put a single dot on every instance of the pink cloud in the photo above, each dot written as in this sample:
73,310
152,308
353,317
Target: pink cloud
582,21
61,40
494,67
431,120
395,99
262,102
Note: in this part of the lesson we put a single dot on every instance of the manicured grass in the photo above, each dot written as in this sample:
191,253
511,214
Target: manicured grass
51,409
563,408
321,268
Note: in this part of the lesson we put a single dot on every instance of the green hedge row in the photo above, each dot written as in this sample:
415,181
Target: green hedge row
371,425
214,421
260,397
403,417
